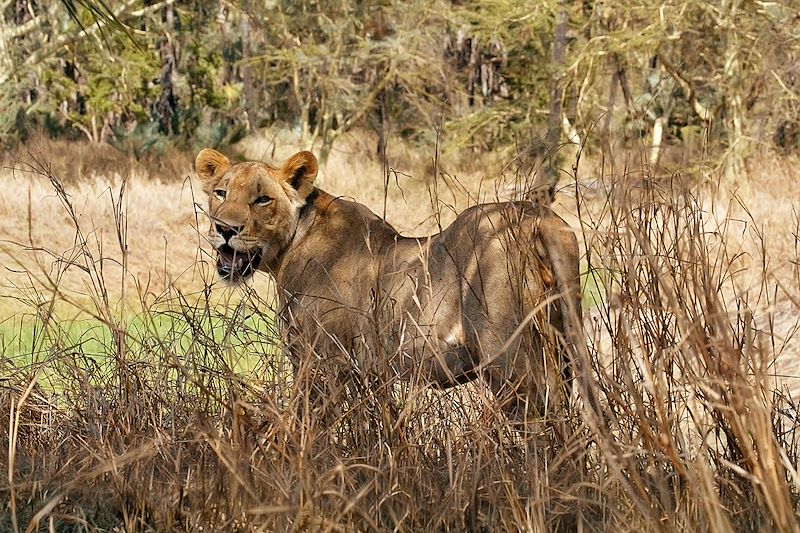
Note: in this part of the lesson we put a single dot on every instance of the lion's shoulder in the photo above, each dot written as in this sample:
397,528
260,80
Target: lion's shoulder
347,222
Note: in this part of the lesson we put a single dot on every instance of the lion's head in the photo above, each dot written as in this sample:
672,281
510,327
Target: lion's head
253,207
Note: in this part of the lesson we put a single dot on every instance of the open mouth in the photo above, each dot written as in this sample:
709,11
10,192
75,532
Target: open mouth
234,265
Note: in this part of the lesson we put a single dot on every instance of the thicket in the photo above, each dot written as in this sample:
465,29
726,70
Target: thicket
186,417
717,77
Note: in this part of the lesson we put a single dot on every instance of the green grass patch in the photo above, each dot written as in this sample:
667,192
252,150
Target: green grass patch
231,340
595,283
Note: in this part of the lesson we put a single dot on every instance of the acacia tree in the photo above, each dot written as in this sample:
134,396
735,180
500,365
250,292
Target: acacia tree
506,47
677,67
696,63
336,64
53,48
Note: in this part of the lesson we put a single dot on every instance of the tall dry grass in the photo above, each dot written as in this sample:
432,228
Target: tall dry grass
680,420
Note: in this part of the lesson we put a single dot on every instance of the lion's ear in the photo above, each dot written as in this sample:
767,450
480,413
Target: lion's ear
299,171
210,165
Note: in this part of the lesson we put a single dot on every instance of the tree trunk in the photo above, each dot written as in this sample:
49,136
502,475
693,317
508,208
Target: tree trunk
167,106
6,65
249,90
472,70
383,130
735,170
658,139
610,105
549,178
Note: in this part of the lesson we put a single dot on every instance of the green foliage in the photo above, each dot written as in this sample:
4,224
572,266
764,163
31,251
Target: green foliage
336,65
217,134
144,138
210,72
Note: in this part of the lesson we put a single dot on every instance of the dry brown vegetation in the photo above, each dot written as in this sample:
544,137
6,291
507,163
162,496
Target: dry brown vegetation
182,414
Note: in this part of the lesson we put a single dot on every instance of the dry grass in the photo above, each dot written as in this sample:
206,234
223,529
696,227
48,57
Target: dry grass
189,417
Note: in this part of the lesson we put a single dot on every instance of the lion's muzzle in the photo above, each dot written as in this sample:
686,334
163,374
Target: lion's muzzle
234,265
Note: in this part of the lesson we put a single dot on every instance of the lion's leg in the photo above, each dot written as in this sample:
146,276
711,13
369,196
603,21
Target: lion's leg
319,383
454,366
525,378
565,347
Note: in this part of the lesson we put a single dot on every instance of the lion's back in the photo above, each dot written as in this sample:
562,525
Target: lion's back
498,232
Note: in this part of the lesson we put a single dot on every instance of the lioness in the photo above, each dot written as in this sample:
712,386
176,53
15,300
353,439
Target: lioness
479,298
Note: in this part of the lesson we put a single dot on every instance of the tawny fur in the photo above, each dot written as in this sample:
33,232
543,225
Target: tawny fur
496,294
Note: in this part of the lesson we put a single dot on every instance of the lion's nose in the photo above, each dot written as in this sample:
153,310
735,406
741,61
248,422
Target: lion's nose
228,232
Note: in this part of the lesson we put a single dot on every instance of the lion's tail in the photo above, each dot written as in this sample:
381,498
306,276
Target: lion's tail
561,255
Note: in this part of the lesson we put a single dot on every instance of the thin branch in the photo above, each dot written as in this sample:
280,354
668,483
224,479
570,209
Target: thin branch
64,38
371,97
702,111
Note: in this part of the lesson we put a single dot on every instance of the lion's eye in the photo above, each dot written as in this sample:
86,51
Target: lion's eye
220,193
263,200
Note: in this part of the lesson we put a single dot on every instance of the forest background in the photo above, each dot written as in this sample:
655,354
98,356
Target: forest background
515,78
